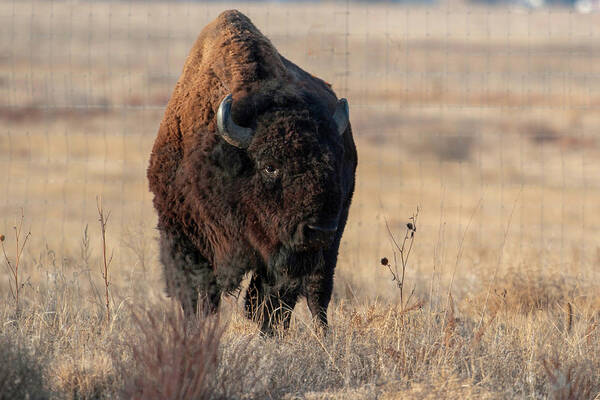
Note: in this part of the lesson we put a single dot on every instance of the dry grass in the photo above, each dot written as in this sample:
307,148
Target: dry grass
21,376
171,359
484,118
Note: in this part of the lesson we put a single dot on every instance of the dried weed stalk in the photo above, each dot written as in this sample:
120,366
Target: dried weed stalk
569,317
450,326
13,269
398,270
85,256
103,218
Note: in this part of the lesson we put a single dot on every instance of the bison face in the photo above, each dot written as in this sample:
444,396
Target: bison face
297,179
293,195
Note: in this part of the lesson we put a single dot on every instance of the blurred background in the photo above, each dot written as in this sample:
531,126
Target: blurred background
484,115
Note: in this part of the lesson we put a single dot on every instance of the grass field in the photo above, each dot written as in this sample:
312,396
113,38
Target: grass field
485,118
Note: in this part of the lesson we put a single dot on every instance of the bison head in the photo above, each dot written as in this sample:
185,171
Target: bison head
289,178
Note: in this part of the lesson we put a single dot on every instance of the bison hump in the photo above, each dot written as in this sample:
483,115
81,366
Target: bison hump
234,51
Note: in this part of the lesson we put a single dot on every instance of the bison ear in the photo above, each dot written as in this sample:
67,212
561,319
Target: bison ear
341,116
231,132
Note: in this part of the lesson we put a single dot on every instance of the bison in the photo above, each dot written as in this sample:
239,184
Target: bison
252,170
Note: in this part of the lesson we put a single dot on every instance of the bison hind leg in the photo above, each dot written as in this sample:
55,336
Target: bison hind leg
188,275
178,288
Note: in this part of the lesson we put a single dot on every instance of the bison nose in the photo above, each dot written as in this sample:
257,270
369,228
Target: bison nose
319,235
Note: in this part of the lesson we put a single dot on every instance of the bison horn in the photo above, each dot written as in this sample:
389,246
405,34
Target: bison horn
232,133
341,116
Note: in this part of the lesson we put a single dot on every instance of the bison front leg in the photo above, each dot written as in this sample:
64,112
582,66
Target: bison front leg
188,275
268,306
318,288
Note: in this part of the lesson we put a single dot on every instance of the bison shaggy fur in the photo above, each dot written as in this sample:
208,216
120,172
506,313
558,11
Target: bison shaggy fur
276,207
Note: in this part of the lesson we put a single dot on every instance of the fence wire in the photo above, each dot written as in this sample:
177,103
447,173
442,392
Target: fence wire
483,116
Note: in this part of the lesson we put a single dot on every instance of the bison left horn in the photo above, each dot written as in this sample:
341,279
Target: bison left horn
231,132
341,116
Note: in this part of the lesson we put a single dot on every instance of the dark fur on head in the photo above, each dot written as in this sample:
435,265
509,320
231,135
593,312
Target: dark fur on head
225,211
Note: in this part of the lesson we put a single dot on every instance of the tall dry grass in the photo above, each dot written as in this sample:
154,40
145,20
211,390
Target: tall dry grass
531,337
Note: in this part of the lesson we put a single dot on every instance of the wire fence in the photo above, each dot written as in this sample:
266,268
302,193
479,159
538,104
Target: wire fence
483,116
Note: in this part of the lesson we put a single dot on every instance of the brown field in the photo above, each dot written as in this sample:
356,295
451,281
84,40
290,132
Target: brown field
483,117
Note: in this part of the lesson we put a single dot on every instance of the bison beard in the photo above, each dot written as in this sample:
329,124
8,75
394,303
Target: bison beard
253,172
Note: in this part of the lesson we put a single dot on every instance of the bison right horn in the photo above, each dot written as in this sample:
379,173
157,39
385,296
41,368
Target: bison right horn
341,116
232,133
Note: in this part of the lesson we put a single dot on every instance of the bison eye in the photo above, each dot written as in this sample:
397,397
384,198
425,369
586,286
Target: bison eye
270,171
